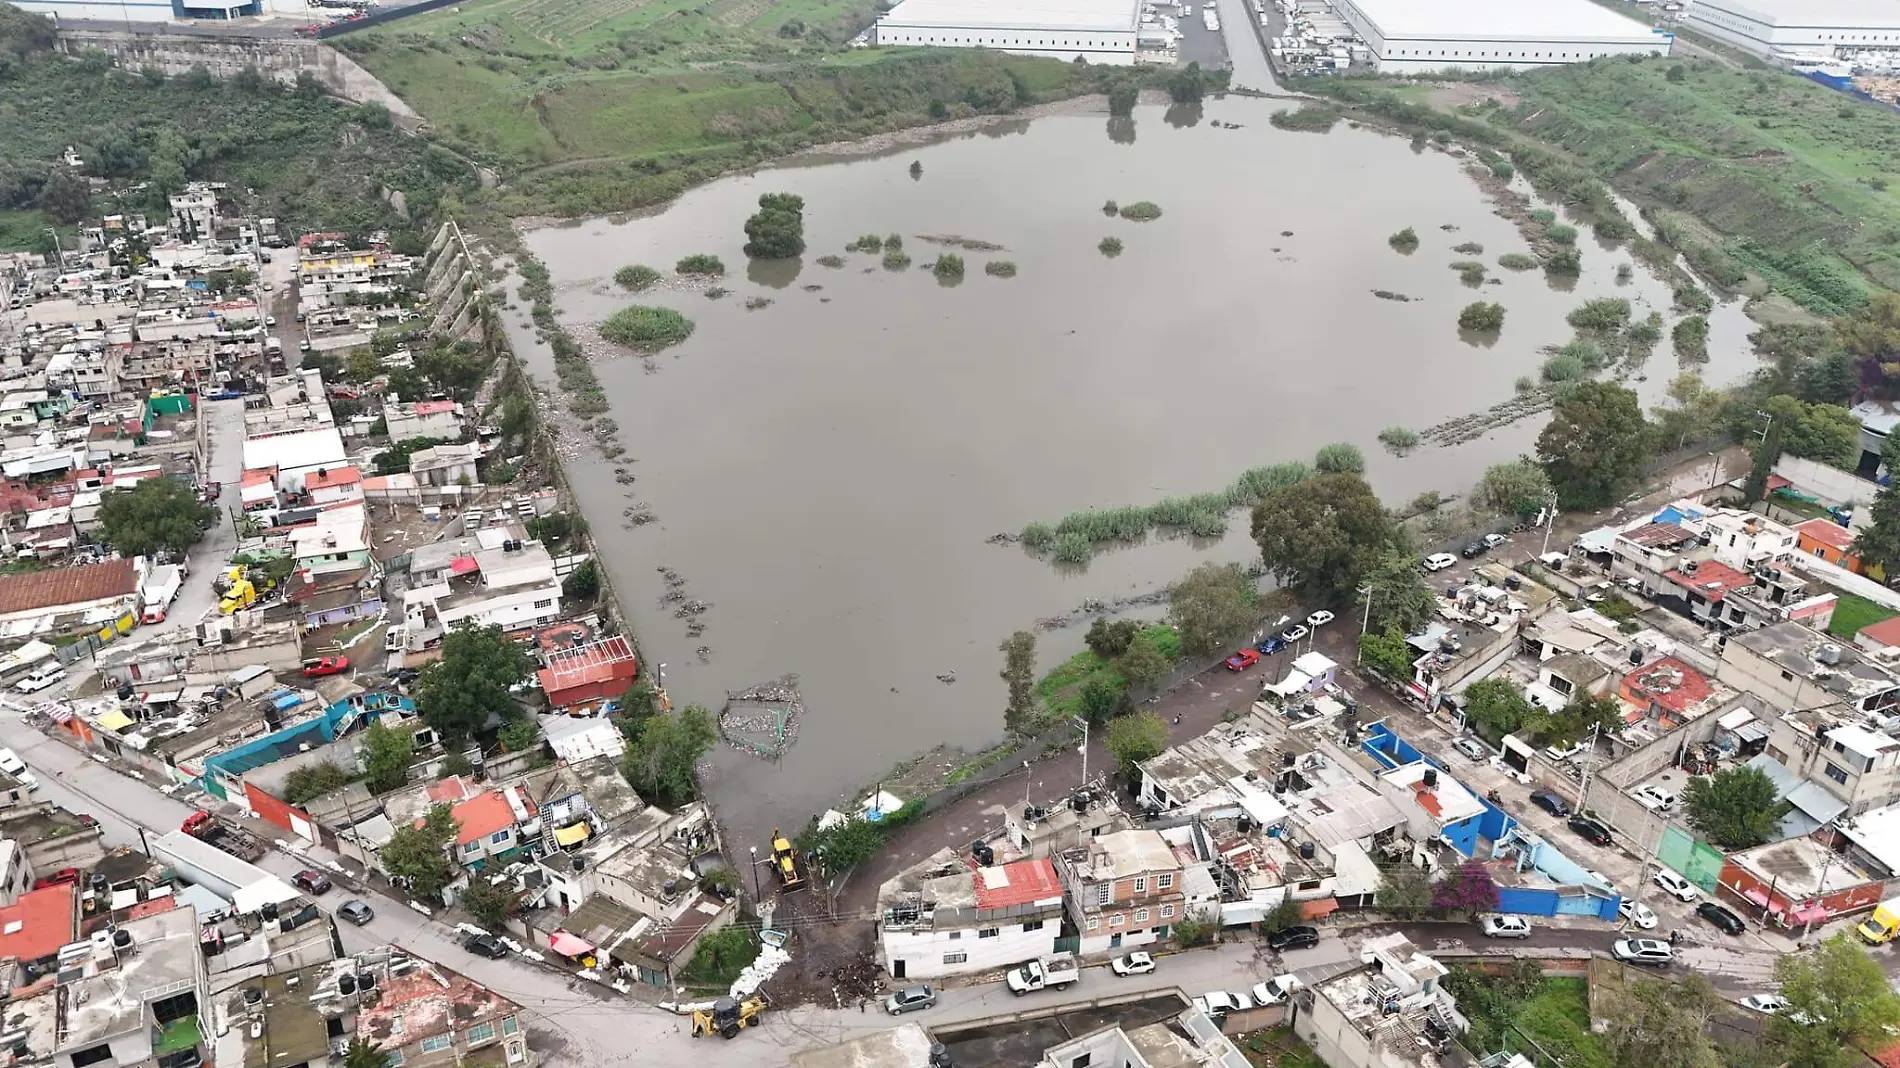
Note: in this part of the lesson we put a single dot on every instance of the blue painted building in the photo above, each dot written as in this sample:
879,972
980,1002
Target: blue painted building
224,773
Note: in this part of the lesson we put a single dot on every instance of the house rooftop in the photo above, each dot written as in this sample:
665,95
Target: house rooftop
1445,800
668,941
485,814
1827,532
165,955
1711,580
38,923
67,585
1886,632
1800,868
1124,853
1840,670
428,1001
904,1046
1023,882
1877,834
294,1031
1658,535
1671,684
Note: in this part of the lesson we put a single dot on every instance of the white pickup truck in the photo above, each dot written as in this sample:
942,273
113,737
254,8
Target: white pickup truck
1059,970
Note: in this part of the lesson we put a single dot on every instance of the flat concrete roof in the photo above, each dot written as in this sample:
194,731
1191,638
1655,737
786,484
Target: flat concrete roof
1502,20
1075,15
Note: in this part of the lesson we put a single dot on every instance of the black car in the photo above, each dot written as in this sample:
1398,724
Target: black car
311,881
1590,830
1721,917
1476,548
1293,938
1550,802
485,945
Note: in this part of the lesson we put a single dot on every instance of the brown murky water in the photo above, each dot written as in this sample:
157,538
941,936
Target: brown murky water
825,470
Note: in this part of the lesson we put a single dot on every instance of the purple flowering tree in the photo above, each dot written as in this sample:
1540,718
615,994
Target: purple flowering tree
1469,889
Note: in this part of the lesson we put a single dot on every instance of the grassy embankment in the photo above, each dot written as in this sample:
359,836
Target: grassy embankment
310,161
1761,179
602,105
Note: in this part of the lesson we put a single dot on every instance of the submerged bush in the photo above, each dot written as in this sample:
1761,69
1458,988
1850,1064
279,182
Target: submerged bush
1073,548
1563,235
868,243
896,259
1564,261
700,264
1400,439
948,265
1404,241
647,328
831,261
1038,535
1482,316
893,242
636,276
1000,268
1563,369
1142,211
1110,246
1600,316
1469,248
1111,208
1516,261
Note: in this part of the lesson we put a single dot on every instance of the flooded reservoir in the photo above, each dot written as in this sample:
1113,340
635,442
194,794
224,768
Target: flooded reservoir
824,470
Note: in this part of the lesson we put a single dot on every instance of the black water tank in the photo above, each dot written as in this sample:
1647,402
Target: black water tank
983,854
1636,655
121,940
346,984
579,863
366,980
1306,851
269,910
253,995
1431,778
98,883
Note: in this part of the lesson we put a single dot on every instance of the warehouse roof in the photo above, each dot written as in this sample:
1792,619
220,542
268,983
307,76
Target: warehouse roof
1122,15
1492,20
1818,13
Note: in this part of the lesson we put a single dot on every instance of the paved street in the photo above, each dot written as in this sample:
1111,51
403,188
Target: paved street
225,465
1244,50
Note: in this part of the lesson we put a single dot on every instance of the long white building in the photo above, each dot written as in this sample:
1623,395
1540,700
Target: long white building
1424,36
1100,31
1765,27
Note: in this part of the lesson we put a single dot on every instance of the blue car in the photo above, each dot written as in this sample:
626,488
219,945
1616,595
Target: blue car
1271,645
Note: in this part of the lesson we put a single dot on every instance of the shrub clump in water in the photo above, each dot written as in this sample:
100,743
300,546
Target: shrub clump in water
948,265
1399,439
636,276
1000,268
1517,261
1141,211
646,328
700,264
1404,241
1111,208
1110,246
869,243
1482,316
896,259
831,261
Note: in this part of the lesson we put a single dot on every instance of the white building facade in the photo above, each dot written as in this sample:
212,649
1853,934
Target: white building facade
1407,37
1811,27
966,922
1099,31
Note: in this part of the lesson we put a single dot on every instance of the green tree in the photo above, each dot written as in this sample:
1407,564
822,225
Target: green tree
1838,1002
1319,535
313,780
1285,913
1142,665
65,196
387,754
1764,454
1482,316
1387,654
469,682
1109,639
1101,697
1187,85
1400,599
777,230
1213,604
1135,737
1697,411
1122,97
157,513
1657,1024
1574,722
361,1054
1019,674
1735,808
1516,487
1496,707
1878,543
1595,444
487,903
843,845
520,735
582,583
1339,457
661,759
416,855
1871,335
1405,891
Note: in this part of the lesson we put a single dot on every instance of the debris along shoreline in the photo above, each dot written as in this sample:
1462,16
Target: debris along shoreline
762,720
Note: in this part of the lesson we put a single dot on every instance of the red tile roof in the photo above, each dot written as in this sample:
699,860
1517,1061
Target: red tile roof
434,407
1713,580
1827,532
588,665
453,788
1885,632
67,585
483,815
38,923
1022,882
336,476
1670,683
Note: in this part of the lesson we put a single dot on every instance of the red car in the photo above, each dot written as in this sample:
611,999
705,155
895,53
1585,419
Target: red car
329,665
1243,660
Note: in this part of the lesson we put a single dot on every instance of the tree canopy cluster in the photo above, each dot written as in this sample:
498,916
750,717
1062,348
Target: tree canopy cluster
777,230
465,688
157,513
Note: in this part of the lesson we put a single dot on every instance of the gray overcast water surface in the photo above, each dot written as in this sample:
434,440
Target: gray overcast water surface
825,470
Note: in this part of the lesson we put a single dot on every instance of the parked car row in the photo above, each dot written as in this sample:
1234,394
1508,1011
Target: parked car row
1281,639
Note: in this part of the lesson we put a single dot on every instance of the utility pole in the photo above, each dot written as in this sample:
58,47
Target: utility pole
1365,620
1583,791
1026,777
1550,520
1084,724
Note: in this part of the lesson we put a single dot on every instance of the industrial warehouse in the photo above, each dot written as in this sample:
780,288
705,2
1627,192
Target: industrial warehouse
1100,31
1419,37
1801,27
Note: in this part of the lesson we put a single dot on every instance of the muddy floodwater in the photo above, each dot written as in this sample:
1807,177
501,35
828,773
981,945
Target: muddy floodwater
825,470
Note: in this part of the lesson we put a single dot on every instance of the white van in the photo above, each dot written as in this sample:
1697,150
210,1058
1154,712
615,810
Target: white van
11,763
43,676
1655,798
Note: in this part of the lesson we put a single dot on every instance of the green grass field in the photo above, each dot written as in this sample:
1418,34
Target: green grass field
1852,613
615,104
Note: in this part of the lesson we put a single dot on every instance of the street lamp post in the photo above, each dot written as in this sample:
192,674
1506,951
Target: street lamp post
755,875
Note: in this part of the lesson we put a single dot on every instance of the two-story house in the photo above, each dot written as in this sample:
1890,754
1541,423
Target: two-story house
1123,889
944,918
490,825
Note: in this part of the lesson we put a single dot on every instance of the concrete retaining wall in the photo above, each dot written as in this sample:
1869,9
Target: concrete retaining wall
279,58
